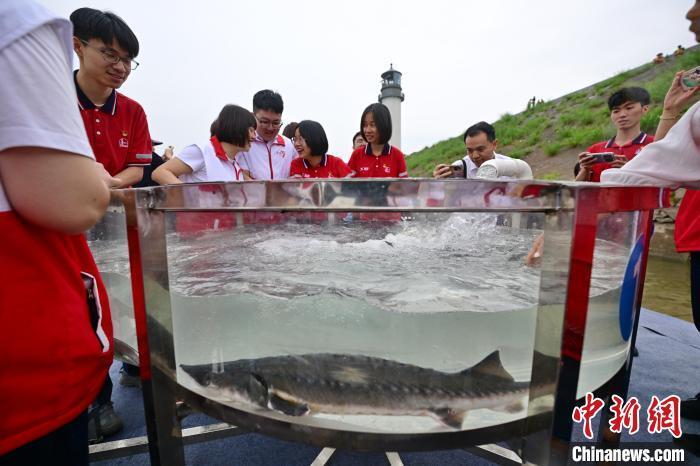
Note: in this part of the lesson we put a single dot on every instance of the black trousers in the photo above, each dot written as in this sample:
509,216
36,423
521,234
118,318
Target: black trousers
105,395
65,446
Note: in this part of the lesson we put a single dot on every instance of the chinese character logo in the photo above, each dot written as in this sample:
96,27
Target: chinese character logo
624,415
123,143
661,415
665,415
586,413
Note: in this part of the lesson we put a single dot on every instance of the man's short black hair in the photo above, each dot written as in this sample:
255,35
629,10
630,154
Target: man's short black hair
268,100
481,127
359,133
629,94
89,23
382,120
232,125
314,135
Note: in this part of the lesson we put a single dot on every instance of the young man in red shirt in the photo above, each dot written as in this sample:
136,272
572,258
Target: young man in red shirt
116,127
627,107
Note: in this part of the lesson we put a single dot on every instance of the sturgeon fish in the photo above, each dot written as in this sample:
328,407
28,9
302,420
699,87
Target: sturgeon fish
305,384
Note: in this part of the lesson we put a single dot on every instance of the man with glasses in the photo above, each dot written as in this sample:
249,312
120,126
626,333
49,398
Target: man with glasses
271,154
116,125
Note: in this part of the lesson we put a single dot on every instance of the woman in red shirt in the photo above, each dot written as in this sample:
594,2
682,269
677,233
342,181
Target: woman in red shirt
378,159
311,144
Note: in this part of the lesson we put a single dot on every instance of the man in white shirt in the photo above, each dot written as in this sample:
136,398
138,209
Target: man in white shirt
271,154
481,143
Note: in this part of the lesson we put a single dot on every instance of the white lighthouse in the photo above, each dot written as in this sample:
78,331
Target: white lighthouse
391,96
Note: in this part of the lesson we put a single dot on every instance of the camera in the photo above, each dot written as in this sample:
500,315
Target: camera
604,157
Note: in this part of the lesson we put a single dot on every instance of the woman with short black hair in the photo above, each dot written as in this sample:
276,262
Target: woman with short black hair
214,160
311,144
378,159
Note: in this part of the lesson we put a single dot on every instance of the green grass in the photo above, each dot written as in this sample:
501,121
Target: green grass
552,176
575,121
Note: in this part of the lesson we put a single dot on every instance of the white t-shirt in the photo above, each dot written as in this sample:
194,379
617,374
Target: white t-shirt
268,160
472,168
671,162
37,94
206,166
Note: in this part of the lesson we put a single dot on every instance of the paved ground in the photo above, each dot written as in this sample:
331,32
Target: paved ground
669,363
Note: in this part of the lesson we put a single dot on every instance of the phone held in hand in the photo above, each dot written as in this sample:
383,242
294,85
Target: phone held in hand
458,169
690,78
603,157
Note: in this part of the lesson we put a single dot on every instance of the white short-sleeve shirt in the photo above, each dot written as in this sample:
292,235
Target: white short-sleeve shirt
206,166
268,160
36,90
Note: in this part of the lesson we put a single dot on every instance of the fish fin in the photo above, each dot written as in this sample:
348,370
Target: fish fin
450,417
290,408
513,407
549,363
490,365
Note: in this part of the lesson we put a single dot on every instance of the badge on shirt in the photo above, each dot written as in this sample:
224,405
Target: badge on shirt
124,143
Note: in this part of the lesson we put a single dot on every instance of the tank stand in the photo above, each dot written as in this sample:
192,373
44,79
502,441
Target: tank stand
325,455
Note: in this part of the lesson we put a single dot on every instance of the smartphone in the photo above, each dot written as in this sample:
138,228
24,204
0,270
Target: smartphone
458,169
690,78
603,157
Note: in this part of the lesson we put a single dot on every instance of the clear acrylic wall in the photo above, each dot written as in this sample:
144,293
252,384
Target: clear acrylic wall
401,307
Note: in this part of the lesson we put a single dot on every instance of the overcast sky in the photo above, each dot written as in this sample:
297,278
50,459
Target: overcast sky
461,61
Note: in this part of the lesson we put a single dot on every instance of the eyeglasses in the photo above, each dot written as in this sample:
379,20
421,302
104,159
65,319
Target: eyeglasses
269,124
113,58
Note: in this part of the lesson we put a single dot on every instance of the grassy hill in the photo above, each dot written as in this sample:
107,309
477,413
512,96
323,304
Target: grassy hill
550,136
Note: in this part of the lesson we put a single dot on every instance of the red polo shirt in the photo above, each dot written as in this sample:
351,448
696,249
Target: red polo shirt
688,223
117,131
390,164
330,167
629,150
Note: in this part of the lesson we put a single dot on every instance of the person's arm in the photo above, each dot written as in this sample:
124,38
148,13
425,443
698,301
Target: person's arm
169,172
129,176
443,171
352,164
586,163
534,255
53,189
168,153
674,102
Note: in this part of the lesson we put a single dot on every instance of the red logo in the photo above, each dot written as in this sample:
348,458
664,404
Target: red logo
665,415
661,415
587,412
124,143
624,415
282,153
